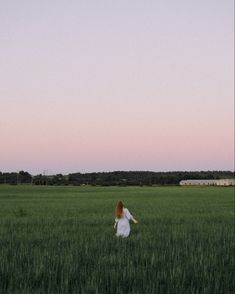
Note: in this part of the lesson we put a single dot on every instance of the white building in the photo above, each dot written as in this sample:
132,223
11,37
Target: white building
220,182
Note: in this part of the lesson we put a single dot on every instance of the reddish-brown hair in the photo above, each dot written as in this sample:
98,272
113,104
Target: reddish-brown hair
119,209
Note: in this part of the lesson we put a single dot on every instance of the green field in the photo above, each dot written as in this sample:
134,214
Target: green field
61,240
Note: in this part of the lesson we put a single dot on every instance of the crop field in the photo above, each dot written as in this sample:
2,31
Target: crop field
61,240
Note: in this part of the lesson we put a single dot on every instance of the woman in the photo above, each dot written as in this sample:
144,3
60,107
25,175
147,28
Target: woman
122,218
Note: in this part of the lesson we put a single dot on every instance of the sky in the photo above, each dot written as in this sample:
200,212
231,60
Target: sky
89,86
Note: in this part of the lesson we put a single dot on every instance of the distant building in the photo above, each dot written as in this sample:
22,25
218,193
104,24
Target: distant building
220,182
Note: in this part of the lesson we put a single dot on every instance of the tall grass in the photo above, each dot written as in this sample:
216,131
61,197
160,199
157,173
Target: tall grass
61,240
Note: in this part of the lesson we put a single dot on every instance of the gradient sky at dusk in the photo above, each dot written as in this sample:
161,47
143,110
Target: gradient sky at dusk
116,85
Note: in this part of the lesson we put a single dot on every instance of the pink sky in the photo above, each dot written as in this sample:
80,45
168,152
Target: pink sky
116,85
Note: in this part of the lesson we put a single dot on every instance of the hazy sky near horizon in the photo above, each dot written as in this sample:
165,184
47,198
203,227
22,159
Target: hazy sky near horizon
116,85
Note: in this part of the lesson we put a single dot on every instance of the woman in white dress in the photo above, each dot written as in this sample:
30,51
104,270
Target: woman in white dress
122,219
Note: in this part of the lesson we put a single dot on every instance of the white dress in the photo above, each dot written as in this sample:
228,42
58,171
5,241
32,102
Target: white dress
123,226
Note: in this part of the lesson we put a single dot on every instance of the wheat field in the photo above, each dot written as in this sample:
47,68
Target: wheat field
60,239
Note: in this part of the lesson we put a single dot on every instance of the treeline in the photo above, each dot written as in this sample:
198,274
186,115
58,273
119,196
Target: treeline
116,178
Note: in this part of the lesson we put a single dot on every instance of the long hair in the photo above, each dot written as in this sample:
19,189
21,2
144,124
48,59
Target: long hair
119,209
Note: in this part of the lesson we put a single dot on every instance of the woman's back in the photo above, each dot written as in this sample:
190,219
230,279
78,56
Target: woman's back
123,216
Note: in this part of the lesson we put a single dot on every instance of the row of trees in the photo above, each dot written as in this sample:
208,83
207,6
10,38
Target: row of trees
121,178
21,177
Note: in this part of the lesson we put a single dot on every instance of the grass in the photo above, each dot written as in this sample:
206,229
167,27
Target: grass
61,240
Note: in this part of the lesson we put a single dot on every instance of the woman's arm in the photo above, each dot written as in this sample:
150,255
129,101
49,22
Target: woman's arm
115,224
130,216
134,220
